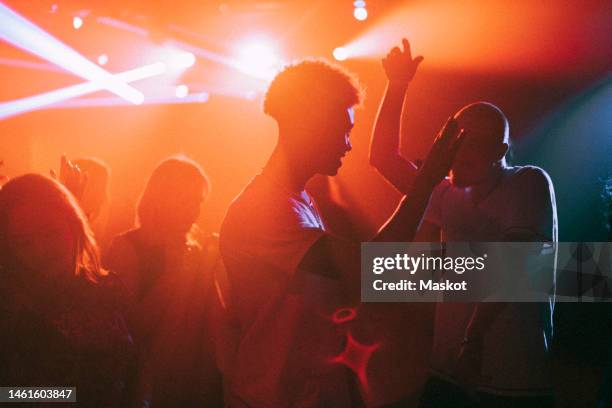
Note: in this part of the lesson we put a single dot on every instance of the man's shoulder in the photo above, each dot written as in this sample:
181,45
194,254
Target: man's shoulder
255,200
261,206
530,177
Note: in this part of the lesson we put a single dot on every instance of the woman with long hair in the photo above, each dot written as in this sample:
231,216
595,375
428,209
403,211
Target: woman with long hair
169,274
61,324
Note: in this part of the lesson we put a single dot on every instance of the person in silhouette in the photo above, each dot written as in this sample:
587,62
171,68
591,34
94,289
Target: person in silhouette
62,322
497,350
168,271
288,274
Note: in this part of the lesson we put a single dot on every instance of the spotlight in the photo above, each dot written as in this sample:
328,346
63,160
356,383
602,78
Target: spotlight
77,22
182,60
23,105
340,53
102,59
258,58
181,91
22,33
360,13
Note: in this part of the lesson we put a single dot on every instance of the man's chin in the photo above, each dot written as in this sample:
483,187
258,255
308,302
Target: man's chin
332,170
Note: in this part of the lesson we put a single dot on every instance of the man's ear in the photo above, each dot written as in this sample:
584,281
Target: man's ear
503,149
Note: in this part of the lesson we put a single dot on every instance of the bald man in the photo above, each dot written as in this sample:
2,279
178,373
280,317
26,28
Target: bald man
483,354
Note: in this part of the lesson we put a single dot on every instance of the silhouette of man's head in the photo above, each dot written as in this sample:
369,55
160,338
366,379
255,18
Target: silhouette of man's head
312,102
485,144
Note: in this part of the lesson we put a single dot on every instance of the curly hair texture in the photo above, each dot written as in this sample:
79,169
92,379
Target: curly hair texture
310,85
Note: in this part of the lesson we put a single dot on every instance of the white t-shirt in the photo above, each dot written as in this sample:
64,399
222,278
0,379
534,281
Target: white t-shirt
288,338
514,349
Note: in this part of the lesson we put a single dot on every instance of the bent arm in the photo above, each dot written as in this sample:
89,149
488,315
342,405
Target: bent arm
335,258
405,221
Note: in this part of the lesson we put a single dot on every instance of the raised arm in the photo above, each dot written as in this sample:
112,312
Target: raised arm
400,68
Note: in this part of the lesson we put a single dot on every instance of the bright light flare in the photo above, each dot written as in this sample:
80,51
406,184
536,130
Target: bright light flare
258,58
360,13
195,98
176,58
182,60
181,91
77,22
23,105
340,53
102,59
18,31
494,36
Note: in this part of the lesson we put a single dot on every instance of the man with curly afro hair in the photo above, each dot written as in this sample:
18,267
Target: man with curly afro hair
288,275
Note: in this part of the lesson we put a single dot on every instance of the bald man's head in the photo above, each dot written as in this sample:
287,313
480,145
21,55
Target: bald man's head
485,144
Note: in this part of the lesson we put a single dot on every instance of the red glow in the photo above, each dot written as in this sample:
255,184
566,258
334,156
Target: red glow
344,315
356,357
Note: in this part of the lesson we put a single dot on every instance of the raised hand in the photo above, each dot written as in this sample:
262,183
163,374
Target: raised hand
399,65
442,153
71,177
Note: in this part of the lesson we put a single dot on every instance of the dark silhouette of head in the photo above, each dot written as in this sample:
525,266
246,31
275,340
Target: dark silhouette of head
485,145
44,234
312,102
170,203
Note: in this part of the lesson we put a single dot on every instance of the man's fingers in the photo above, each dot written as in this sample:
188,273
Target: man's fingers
395,50
418,60
406,46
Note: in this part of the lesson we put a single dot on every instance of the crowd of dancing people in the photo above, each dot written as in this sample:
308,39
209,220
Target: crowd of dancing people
267,313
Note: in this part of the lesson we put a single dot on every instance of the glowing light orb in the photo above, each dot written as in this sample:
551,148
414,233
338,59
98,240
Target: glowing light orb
258,58
77,22
340,53
181,91
360,13
182,60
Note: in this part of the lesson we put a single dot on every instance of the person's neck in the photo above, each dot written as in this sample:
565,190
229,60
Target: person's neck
287,172
481,190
